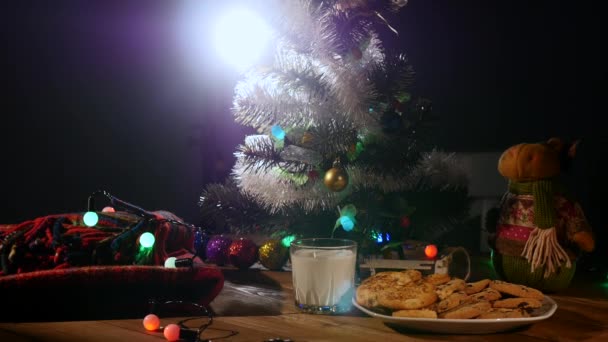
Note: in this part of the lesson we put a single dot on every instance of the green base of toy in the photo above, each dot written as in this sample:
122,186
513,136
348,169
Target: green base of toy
516,270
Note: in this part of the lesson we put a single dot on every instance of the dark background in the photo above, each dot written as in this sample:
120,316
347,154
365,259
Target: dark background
106,94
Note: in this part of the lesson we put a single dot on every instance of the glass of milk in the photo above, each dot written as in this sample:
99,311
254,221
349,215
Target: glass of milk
323,272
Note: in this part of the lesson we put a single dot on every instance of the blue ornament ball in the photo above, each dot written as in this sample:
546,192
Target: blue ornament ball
201,239
218,249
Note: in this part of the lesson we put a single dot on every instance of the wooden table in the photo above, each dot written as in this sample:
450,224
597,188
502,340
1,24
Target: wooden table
259,306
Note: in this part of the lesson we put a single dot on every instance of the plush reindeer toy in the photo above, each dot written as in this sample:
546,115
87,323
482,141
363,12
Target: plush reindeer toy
540,228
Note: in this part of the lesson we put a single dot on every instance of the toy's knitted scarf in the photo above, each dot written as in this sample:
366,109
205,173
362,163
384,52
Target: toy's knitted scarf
542,247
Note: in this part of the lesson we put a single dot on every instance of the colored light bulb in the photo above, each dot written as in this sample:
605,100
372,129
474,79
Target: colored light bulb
430,251
286,241
170,262
171,332
90,218
108,210
278,132
146,240
151,322
347,223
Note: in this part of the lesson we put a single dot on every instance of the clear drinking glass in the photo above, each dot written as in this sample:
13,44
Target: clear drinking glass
323,272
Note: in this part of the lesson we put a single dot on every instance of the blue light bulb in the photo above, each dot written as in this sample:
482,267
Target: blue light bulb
347,223
278,132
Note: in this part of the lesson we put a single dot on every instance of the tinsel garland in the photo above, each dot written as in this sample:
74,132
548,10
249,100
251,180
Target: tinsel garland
274,193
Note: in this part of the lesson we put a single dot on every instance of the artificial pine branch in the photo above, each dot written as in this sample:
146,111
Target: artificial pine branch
391,77
225,207
333,137
260,153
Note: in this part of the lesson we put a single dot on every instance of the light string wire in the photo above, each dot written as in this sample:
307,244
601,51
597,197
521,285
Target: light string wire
192,334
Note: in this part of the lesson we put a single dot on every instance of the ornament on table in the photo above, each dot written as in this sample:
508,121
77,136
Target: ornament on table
200,243
273,254
243,253
336,178
540,230
218,249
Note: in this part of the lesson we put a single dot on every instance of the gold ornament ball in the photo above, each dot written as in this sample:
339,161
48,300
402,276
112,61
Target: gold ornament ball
273,255
336,179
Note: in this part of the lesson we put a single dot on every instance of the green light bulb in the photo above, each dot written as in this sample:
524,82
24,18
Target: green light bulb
287,240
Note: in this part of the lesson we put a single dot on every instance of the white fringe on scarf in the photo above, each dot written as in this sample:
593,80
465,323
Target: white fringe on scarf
543,249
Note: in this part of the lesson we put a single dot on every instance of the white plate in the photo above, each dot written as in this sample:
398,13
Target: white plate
467,326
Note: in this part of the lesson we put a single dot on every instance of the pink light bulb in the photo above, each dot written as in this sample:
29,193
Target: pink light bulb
151,322
171,332
108,210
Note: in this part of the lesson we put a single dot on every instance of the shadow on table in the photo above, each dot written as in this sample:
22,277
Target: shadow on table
249,292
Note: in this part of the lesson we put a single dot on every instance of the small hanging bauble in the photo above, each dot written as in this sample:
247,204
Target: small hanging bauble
424,107
405,221
218,249
243,253
336,178
273,254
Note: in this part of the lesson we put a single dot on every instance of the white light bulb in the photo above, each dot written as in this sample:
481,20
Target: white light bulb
170,262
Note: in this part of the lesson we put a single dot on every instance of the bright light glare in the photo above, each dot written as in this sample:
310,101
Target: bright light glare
241,37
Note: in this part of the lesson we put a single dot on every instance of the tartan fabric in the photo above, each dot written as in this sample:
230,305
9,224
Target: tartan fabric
57,268
61,241
103,292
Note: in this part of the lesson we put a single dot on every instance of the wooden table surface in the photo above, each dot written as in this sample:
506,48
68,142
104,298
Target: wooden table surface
259,306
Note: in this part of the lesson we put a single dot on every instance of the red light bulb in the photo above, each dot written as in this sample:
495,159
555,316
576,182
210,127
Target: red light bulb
430,251
171,332
151,322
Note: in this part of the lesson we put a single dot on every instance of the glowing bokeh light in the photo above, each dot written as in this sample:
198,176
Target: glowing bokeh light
90,218
347,223
170,262
171,332
278,132
146,240
286,241
151,322
430,251
241,37
108,210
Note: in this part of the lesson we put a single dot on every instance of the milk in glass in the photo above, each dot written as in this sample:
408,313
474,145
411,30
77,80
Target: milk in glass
322,277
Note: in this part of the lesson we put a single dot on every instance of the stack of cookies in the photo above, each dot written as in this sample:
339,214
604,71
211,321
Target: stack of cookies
409,294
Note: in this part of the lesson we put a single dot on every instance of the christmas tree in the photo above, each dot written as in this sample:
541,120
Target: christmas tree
343,148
